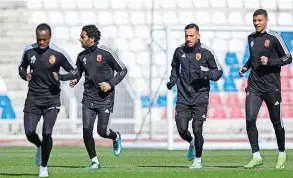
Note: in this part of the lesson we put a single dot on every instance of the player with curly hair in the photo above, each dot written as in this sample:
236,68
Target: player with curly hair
98,63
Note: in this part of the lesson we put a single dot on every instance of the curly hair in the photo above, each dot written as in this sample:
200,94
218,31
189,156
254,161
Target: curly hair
92,32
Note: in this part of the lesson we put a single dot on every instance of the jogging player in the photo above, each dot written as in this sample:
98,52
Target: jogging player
98,63
193,66
268,52
43,98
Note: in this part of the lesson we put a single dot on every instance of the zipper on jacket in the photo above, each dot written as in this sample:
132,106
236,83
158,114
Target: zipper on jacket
189,74
189,61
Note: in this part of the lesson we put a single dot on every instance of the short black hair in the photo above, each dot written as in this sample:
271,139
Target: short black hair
192,25
92,32
260,12
43,26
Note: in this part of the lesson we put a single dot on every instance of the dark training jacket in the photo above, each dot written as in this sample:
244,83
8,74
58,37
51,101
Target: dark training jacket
266,78
43,88
99,63
192,70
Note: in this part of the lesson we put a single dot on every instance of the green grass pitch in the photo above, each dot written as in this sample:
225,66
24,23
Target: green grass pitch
139,163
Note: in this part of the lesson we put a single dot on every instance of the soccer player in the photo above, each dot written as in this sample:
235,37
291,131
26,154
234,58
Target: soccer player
268,52
193,66
43,98
98,63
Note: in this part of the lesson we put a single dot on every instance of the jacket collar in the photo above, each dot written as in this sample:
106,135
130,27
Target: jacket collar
194,49
93,47
260,34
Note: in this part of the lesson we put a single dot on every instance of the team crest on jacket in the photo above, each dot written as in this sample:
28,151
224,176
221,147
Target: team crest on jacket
197,56
99,58
267,43
52,59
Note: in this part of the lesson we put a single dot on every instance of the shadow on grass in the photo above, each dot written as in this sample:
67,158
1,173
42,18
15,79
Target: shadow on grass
63,166
16,175
215,166
161,166
221,166
72,167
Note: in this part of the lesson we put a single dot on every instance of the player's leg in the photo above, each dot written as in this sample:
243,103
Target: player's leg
104,130
30,124
32,115
199,116
31,121
88,120
49,116
182,118
273,102
252,106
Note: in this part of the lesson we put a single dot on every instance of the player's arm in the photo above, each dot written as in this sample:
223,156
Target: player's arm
284,55
69,67
215,71
174,68
212,72
174,71
79,67
247,65
23,66
118,66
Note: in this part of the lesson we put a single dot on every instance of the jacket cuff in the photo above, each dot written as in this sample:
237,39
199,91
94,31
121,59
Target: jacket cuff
111,84
60,77
206,75
270,60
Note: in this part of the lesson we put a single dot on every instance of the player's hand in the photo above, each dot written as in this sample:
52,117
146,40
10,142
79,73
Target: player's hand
29,76
242,71
56,76
264,60
105,86
170,85
200,74
72,83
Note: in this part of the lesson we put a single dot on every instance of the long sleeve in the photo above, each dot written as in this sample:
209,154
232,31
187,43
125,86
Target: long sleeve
69,67
23,66
215,72
118,66
79,67
284,55
174,68
248,63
